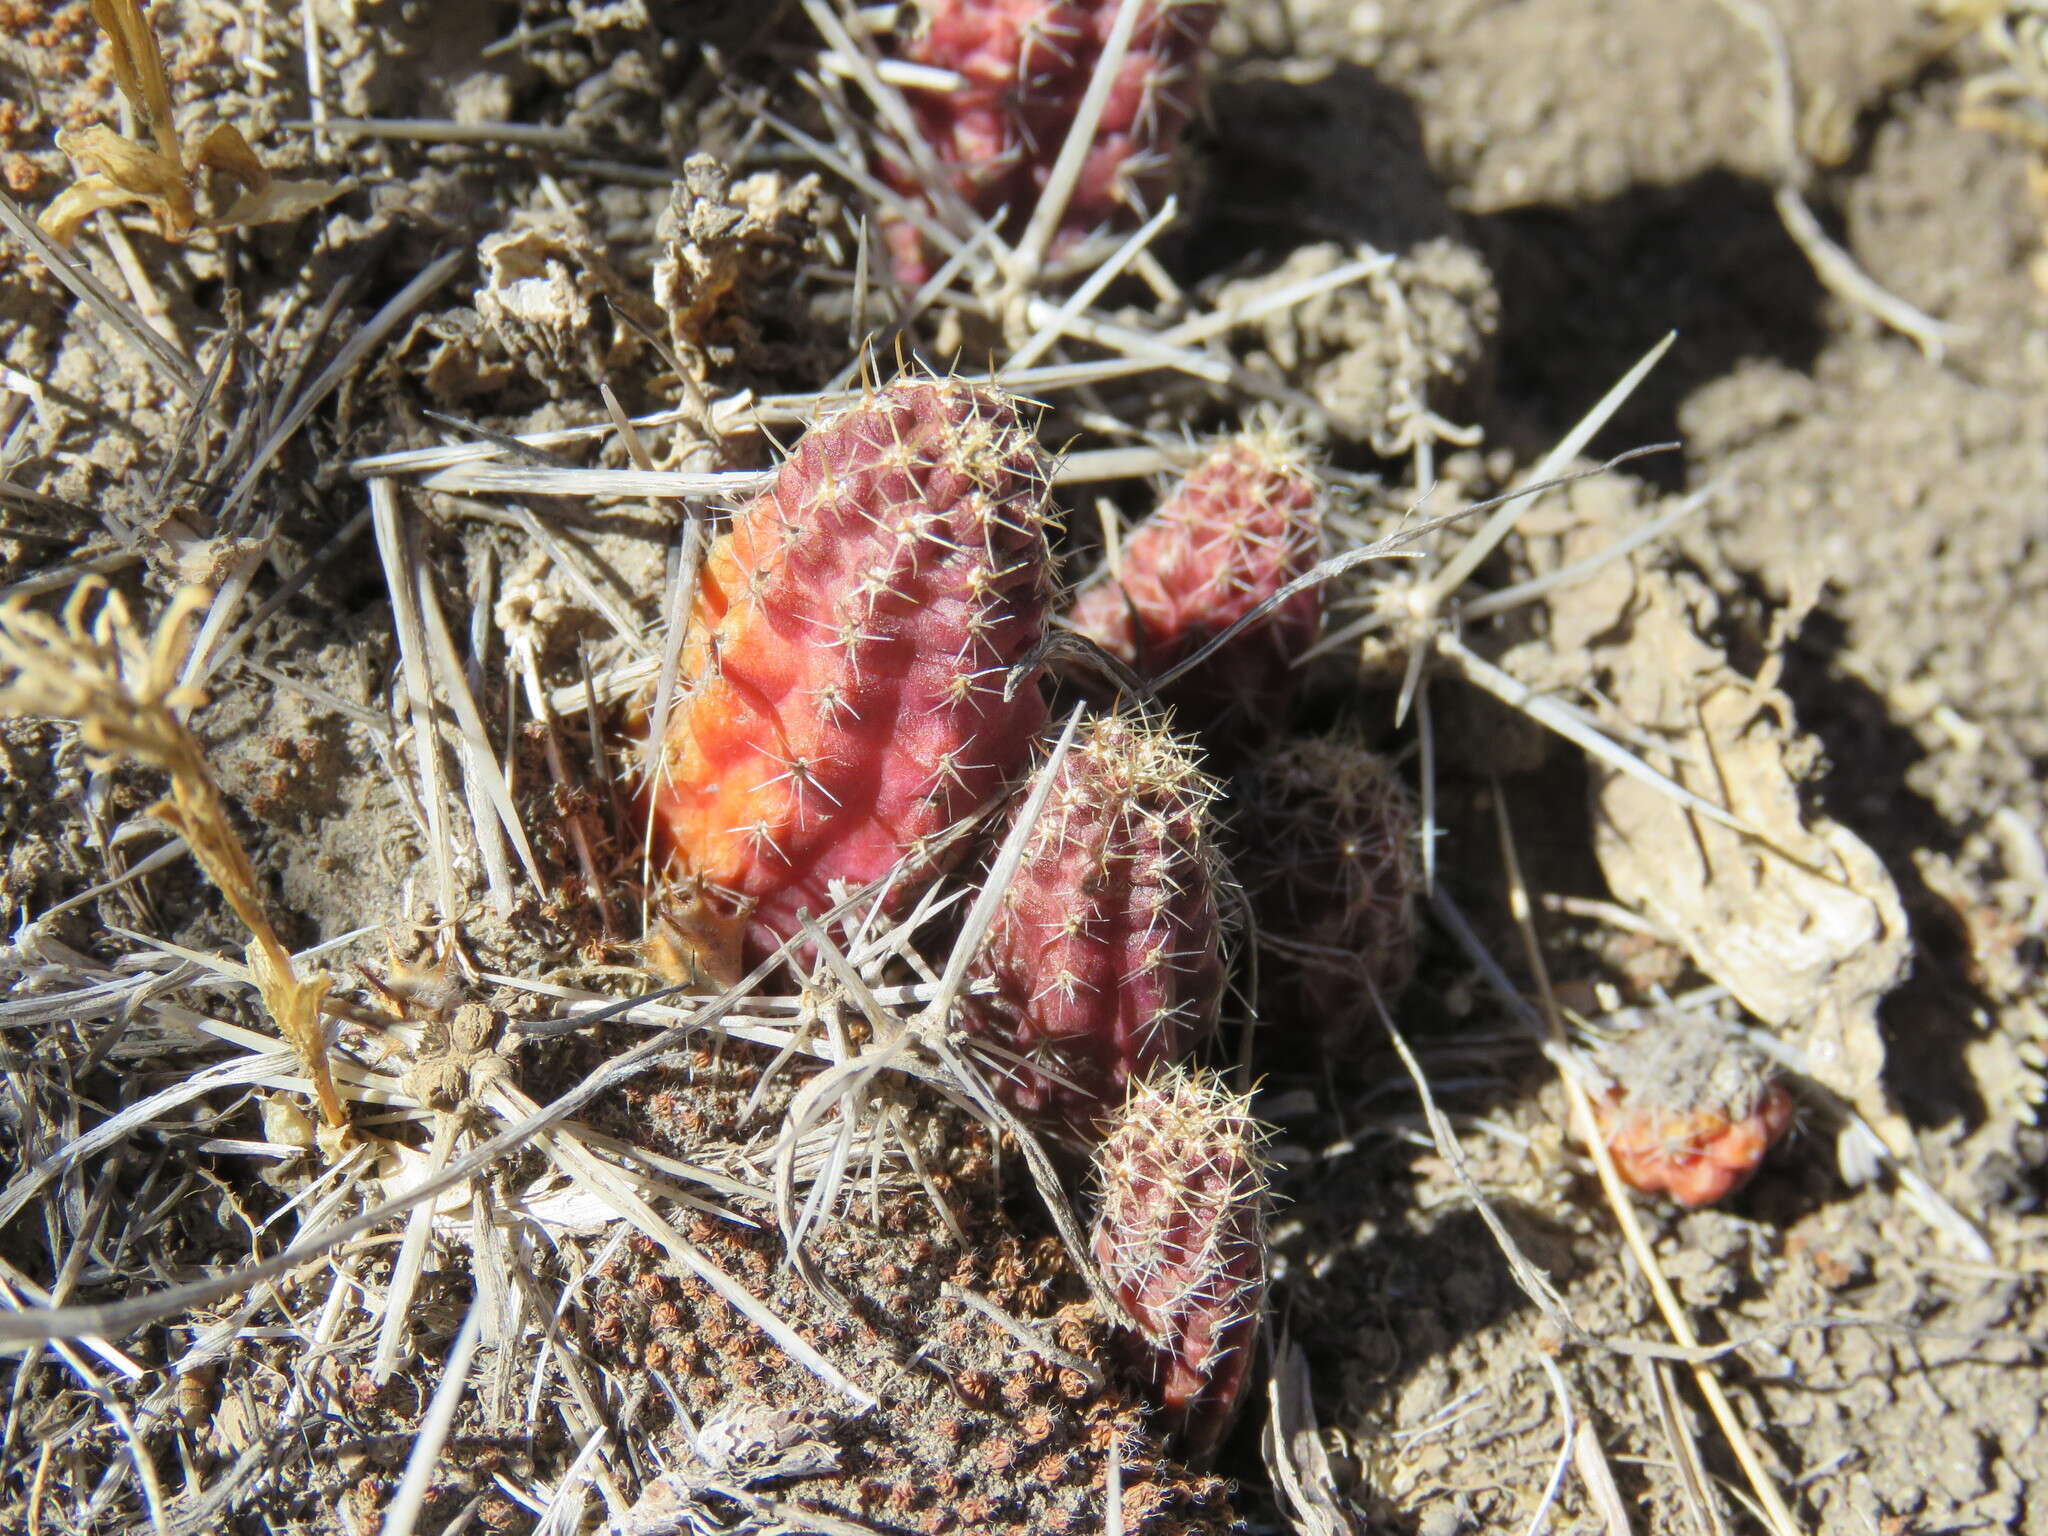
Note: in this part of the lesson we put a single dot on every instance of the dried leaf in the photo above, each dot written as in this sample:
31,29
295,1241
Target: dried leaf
146,176
226,151
280,202
1294,1454
116,171
1805,927
79,202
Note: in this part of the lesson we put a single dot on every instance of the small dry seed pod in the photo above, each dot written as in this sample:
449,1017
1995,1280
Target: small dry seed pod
1246,521
847,655
1692,1111
1105,955
1329,852
1181,1237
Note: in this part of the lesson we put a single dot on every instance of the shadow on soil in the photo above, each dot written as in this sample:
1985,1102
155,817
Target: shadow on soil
1585,289
1930,1020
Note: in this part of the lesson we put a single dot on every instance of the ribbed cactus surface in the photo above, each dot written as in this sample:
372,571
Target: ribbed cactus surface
1329,850
848,653
1104,958
1180,1234
1246,521
1022,68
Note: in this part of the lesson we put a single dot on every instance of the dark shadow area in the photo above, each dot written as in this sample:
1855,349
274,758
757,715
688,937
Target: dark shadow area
1930,1020
1286,163
1586,290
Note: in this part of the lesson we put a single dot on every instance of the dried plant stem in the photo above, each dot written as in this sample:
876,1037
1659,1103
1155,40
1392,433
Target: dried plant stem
1777,1516
92,667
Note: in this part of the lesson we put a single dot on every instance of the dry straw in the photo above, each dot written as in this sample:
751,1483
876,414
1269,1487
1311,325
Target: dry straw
92,666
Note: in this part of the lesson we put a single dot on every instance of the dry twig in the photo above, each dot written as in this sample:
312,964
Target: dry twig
91,666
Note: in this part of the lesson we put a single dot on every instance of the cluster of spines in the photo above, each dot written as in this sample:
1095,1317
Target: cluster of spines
1023,67
1691,1112
1330,856
1181,1237
1245,522
851,654
1104,958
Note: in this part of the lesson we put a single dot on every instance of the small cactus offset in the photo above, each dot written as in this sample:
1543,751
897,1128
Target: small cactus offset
1331,860
1105,954
1181,1237
849,649
1691,1113
1024,66
1245,522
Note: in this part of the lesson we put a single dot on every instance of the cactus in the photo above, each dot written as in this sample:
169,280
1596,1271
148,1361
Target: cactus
1105,953
1245,522
1023,68
1180,1234
1331,861
850,644
1691,1112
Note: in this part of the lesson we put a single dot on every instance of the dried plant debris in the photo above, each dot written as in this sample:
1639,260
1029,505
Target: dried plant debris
1395,360
92,667
1304,1481
164,176
1802,923
729,249
556,306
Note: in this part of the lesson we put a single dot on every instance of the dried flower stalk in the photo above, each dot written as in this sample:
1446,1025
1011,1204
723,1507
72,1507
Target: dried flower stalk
92,666
116,171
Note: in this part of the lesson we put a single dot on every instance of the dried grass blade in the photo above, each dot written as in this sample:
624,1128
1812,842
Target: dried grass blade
682,593
403,1512
112,1319
1005,867
1091,288
1575,728
1521,592
563,480
1772,1505
623,623
412,1256
1551,1489
380,325
889,102
1066,169
182,373
1201,328
401,572
1693,1484
482,763
1497,527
